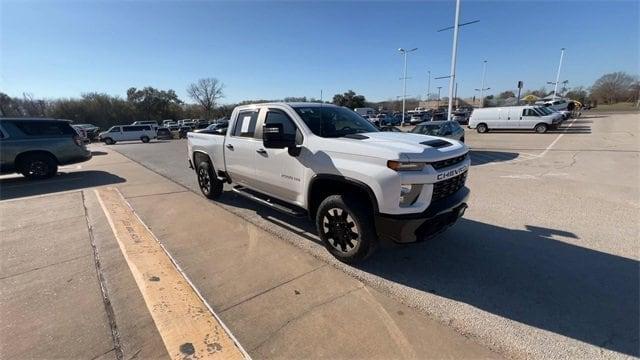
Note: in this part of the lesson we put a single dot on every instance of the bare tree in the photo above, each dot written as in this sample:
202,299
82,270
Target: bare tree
206,92
614,87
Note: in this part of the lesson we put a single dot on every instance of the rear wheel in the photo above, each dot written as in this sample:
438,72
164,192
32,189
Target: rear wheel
541,128
346,228
462,139
38,166
209,184
482,128
145,139
109,141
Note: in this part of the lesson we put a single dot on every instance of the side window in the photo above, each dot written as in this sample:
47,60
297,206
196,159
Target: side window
528,112
44,128
115,129
278,117
246,124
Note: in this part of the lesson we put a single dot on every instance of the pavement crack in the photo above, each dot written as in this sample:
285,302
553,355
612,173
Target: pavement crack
45,266
304,313
271,288
103,287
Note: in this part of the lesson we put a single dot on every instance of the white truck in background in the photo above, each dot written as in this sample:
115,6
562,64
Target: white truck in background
362,187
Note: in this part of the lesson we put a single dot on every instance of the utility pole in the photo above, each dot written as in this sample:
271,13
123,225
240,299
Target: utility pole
428,85
482,89
454,53
404,78
439,87
555,89
455,94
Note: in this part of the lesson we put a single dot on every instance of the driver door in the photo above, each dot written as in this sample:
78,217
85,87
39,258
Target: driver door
278,173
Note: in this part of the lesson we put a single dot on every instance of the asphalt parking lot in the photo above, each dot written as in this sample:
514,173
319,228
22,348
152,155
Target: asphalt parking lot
545,261
543,264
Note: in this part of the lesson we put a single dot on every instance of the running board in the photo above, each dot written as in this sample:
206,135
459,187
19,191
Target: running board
284,208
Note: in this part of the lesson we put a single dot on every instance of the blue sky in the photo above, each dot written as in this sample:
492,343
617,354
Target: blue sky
269,50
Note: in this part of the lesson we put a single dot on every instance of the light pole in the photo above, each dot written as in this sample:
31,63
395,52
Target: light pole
439,87
428,85
404,78
482,89
555,89
454,53
482,98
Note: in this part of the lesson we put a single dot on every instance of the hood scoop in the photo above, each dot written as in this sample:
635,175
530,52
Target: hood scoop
437,143
356,136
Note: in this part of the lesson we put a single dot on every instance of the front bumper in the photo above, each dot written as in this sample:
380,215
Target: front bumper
404,229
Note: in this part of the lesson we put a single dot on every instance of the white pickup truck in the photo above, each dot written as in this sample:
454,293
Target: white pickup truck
362,187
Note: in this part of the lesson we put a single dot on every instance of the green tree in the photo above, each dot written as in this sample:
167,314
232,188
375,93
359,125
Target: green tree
506,94
154,104
349,99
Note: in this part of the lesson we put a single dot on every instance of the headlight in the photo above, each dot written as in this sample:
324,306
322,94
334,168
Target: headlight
405,166
409,194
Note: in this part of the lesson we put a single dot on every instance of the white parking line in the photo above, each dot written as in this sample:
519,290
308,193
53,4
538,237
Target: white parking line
556,140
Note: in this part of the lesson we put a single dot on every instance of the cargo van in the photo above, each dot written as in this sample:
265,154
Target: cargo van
512,118
143,133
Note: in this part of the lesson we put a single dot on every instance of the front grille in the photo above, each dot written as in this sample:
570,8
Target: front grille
448,162
447,187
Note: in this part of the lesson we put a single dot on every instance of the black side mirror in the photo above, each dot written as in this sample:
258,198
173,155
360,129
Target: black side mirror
273,137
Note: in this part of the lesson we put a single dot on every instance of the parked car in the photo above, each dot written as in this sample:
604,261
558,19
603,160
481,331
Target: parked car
536,118
91,130
416,118
219,128
143,133
363,187
36,147
448,129
390,129
167,122
153,124
164,133
82,133
365,111
182,132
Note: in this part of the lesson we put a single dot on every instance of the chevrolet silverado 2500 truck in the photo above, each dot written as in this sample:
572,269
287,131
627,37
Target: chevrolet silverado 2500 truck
361,186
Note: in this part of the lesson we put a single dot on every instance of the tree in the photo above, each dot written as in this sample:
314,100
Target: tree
614,87
507,94
206,92
578,93
154,104
349,99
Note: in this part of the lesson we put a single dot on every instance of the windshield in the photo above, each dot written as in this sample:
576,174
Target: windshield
427,129
332,122
544,110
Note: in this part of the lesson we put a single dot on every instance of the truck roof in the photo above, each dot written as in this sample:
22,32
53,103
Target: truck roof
291,104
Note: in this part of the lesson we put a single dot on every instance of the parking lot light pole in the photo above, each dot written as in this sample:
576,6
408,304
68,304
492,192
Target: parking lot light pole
454,53
404,78
439,87
484,73
555,89
428,85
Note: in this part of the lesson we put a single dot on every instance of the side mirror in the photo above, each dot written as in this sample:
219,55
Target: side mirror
273,137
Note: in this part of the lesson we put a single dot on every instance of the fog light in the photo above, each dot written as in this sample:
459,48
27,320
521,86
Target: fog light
409,194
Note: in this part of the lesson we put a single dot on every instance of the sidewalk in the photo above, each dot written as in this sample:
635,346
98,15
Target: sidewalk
278,301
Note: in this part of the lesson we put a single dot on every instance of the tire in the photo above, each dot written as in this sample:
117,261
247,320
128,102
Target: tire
109,141
541,128
38,166
209,184
353,223
482,128
462,139
145,139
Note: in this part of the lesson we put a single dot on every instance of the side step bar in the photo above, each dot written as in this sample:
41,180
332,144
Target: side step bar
284,208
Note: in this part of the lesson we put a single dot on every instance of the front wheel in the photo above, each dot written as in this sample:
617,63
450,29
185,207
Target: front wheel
346,228
482,128
38,166
209,184
145,139
541,128
109,141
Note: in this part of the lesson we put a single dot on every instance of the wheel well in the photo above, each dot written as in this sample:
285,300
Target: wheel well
198,157
481,123
540,123
23,155
321,188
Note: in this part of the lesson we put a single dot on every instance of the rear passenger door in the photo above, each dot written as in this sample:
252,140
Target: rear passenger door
240,148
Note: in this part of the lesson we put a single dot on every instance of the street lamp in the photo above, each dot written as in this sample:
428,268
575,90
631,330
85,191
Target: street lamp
481,96
428,85
555,89
404,78
439,87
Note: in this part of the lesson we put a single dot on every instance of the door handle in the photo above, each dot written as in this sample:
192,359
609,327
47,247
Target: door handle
262,151
229,146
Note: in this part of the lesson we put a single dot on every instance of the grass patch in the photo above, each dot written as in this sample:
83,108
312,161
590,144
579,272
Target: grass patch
626,106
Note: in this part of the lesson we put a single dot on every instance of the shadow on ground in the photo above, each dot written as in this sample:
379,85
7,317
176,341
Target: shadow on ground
481,157
528,277
98,153
17,187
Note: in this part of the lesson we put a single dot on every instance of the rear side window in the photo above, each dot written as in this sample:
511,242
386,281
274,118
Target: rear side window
246,124
44,128
135,128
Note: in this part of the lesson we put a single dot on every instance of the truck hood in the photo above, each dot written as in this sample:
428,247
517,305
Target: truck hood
400,146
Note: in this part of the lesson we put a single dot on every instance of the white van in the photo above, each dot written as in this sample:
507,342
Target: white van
512,117
143,133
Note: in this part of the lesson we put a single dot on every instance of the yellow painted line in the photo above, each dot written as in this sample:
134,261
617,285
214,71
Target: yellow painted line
186,323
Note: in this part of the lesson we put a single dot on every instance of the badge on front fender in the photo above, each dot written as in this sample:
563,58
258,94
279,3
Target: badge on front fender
451,173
